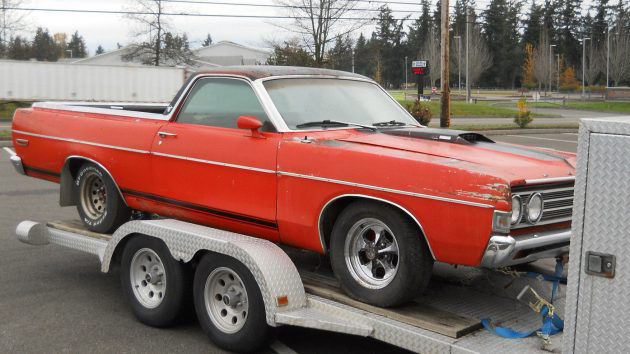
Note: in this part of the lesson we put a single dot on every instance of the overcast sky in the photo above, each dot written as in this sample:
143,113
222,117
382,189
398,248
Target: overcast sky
109,29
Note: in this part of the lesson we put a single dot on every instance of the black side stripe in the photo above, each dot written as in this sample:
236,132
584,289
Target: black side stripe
216,212
41,171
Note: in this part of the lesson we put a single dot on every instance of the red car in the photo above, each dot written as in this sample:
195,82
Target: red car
317,159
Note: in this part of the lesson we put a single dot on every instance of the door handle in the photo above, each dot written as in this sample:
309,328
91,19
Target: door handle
166,135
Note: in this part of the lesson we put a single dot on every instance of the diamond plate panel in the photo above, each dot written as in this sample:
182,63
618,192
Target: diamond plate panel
597,307
274,272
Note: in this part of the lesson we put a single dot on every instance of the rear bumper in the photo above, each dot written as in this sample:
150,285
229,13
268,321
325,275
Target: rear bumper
505,251
16,161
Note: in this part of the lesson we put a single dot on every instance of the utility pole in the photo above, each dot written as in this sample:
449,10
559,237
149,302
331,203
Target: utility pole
406,70
352,51
468,19
583,63
445,116
550,64
459,62
558,72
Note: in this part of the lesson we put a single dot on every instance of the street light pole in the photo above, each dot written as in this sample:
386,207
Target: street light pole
468,19
607,55
583,63
459,61
550,64
558,71
406,69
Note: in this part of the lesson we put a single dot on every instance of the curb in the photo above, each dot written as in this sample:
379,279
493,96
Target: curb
527,131
6,143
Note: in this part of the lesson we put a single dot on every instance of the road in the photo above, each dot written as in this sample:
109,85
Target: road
55,300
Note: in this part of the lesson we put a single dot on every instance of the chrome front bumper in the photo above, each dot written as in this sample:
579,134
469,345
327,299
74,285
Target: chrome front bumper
16,161
505,251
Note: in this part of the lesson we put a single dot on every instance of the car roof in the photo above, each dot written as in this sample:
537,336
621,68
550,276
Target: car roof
254,72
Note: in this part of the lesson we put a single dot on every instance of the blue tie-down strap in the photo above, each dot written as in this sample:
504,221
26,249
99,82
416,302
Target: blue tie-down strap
551,325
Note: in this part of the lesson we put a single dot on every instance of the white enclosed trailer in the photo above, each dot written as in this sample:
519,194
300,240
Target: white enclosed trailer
45,81
444,320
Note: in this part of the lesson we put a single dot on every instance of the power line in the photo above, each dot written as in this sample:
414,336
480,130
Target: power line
274,5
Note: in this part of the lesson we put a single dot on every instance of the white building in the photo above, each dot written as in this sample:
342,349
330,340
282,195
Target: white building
224,53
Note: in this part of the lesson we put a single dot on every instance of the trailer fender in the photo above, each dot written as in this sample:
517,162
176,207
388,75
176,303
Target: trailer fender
275,273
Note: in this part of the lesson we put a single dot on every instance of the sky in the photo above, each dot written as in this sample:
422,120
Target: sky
109,29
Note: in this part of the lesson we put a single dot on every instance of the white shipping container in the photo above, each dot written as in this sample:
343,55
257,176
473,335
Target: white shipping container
43,81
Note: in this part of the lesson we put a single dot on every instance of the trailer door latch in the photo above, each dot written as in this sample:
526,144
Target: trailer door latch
600,264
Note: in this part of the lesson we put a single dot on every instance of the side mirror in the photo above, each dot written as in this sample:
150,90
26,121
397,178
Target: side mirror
252,123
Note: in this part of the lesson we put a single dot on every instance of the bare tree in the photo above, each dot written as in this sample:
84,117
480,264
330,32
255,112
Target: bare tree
157,44
479,57
619,54
319,22
431,52
11,20
542,71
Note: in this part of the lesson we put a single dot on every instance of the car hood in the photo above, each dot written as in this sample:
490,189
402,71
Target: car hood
508,161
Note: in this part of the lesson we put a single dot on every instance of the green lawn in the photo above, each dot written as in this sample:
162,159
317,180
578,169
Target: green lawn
474,110
511,126
5,134
612,107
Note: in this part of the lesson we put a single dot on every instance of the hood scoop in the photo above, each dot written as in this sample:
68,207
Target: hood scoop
445,135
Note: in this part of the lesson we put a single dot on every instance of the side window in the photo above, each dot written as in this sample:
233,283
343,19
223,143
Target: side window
219,102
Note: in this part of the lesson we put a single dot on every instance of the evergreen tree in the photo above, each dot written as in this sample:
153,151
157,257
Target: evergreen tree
390,34
502,37
362,57
568,25
44,47
419,30
600,22
208,40
340,56
99,50
77,46
18,49
533,24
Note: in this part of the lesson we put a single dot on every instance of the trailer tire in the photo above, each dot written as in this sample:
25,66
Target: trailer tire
100,205
378,255
154,283
229,304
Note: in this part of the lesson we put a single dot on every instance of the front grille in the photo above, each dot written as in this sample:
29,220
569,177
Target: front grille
558,203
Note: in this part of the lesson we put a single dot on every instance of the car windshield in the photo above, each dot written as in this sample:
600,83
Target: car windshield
311,100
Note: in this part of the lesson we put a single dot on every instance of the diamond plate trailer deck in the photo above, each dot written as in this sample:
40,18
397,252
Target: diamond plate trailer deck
444,320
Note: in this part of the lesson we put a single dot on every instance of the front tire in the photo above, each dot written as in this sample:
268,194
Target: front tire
100,205
154,283
379,255
229,304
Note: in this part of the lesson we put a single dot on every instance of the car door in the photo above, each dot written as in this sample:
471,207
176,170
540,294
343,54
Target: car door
208,170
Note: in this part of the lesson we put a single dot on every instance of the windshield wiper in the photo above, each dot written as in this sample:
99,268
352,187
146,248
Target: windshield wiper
328,122
391,123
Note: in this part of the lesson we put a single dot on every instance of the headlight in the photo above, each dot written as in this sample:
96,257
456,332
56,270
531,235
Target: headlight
534,208
517,208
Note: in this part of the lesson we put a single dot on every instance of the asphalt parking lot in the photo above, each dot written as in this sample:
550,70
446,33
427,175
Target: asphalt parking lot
55,300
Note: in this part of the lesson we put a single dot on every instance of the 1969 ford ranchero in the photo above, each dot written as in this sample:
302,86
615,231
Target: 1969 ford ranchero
318,159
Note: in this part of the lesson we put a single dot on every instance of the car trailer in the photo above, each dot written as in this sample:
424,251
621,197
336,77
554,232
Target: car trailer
280,286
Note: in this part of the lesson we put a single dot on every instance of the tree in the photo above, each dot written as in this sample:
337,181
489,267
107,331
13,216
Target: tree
541,68
19,49
619,54
77,46
568,24
99,50
502,38
479,57
340,56
319,22
568,82
529,80
44,47
11,21
431,52
290,53
208,40
363,57
390,34
419,30
533,25
158,45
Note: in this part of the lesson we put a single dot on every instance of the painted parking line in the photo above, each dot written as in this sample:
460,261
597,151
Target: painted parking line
282,348
570,133
539,138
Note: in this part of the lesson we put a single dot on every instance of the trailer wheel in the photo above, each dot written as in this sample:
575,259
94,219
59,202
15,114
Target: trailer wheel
98,201
229,304
154,283
378,255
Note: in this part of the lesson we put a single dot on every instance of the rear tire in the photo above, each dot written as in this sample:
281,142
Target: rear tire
100,205
153,282
379,255
229,304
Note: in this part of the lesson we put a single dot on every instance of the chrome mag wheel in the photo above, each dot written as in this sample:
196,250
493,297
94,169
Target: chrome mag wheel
148,278
371,253
226,300
93,196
